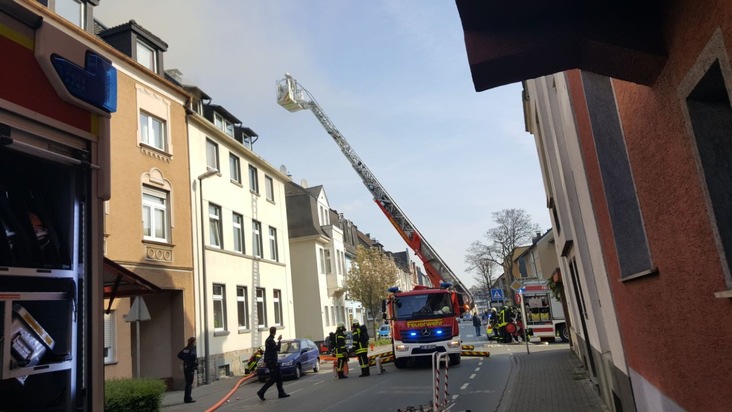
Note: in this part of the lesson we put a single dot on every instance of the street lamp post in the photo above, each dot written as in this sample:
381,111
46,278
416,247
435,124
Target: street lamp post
201,238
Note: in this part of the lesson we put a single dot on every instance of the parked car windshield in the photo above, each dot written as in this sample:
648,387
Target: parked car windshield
290,347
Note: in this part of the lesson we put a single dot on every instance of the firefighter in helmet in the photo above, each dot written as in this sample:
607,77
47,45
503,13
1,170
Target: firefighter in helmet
361,346
340,350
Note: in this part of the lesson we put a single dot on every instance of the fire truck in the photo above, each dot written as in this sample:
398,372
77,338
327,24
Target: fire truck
544,314
58,92
423,320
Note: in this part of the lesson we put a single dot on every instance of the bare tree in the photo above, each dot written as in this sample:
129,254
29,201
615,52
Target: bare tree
371,274
514,228
481,264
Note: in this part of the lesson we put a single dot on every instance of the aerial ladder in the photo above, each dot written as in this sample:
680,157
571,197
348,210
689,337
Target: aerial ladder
293,97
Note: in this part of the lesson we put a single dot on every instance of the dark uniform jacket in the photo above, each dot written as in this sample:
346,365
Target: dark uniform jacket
271,348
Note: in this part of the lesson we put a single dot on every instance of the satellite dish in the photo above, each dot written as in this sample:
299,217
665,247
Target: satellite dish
304,183
283,169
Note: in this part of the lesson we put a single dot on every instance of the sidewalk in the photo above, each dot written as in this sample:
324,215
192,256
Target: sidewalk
550,380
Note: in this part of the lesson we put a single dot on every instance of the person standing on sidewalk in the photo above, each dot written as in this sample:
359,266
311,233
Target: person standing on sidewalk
190,364
477,323
270,359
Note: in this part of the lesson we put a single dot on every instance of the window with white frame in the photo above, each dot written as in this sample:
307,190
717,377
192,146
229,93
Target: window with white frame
256,239
223,124
277,300
155,224
273,252
214,226
237,222
328,268
242,309
327,316
152,131
72,10
261,309
269,187
234,168
145,55
110,337
219,307
253,179
212,155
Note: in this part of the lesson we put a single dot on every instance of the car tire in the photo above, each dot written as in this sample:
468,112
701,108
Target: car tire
455,359
316,368
298,371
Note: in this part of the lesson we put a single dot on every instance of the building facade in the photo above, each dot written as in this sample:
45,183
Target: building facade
633,130
147,220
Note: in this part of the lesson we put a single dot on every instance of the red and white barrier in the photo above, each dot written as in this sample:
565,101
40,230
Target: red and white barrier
437,359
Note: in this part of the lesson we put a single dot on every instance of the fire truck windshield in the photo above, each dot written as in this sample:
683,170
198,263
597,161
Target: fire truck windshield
419,306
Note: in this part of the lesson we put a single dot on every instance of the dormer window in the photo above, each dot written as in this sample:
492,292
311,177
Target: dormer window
145,55
72,10
221,123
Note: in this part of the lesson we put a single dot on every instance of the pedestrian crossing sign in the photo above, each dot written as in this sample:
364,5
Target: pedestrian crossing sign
496,294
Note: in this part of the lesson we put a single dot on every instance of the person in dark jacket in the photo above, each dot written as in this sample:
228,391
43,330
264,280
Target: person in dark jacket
270,359
477,323
190,364
361,346
340,350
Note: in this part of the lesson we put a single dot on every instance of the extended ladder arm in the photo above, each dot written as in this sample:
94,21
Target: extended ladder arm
294,97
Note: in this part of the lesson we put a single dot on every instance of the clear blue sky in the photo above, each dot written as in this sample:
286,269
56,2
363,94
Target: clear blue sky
393,77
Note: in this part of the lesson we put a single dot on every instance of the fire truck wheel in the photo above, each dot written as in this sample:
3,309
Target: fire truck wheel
563,333
400,363
455,359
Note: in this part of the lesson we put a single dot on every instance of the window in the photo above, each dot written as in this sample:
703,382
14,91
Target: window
261,309
321,255
214,225
224,125
256,239
110,338
277,300
617,178
273,253
327,317
146,56
212,155
708,106
234,169
219,307
328,268
269,187
72,10
152,131
242,308
253,179
154,214
237,222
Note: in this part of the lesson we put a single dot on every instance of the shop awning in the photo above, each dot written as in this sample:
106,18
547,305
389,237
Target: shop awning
507,42
121,282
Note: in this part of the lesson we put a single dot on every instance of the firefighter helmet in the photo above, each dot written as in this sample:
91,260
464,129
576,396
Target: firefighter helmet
355,322
341,325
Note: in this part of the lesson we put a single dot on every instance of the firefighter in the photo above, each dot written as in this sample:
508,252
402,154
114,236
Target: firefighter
504,317
340,350
361,346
